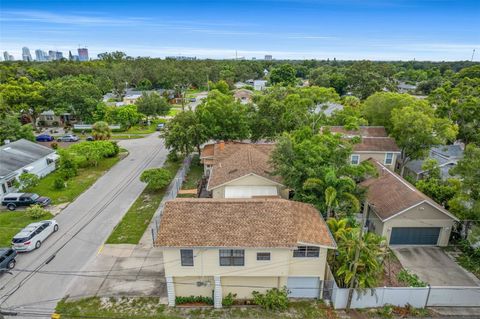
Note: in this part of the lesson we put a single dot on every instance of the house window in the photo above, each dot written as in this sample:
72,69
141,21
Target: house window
186,256
306,251
355,159
232,257
263,256
11,182
49,118
388,159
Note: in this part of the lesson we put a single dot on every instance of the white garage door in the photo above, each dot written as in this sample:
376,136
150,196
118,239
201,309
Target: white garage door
249,191
303,287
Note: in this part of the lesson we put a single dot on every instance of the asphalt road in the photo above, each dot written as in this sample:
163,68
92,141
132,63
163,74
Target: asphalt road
38,281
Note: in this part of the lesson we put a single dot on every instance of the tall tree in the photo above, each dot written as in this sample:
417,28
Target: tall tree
151,104
284,74
11,129
185,132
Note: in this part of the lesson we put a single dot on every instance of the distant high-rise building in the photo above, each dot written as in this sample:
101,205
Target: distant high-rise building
52,55
58,55
26,56
268,57
82,54
40,55
6,56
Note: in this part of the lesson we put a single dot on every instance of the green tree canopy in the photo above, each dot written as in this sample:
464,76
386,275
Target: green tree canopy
156,178
185,132
11,129
284,75
153,104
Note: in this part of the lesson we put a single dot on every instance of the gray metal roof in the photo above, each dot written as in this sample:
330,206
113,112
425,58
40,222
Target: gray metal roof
21,153
446,156
328,108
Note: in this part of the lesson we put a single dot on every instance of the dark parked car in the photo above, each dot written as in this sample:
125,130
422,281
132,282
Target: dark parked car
160,126
7,259
193,99
68,138
14,200
44,138
90,138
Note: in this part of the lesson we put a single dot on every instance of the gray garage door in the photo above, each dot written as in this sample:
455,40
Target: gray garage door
414,235
303,287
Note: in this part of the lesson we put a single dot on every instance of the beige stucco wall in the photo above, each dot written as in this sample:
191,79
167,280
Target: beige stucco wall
379,157
250,180
423,215
376,222
244,286
187,286
281,263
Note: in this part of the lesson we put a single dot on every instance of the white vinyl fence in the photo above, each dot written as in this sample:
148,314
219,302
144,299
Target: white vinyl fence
418,297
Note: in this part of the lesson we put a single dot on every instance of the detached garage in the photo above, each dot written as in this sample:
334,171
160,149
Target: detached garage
404,215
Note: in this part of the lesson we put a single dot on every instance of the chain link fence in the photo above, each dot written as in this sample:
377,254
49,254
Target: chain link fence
170,194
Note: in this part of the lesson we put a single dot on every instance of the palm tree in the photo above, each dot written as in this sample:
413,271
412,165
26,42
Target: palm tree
101,131
335,194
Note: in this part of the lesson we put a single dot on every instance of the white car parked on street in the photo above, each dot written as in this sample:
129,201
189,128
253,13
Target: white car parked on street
32,236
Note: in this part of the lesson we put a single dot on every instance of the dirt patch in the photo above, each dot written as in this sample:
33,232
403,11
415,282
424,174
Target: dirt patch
391,268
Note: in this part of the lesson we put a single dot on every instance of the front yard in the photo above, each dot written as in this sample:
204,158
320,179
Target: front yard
150,307
12,222
132,226
74,186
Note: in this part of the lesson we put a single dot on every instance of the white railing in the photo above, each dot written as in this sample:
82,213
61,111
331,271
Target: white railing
89,126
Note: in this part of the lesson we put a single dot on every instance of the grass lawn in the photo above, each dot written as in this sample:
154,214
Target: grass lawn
132,226
149,307
127,136
174,111
194,174
12,222
76,185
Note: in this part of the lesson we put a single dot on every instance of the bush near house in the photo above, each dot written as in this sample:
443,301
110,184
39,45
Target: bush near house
36,212
410,279
179,300
273,299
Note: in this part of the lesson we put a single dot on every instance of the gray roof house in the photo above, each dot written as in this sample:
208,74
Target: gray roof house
447,157
328,108
23,156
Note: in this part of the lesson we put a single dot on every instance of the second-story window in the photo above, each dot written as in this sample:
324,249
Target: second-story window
232,257
388,158
186,256
355,159
306,251
263,256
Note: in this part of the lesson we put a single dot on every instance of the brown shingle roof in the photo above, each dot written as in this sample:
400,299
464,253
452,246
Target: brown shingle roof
366,131
207,151
376,144
390,194
241,223
240,159
373,138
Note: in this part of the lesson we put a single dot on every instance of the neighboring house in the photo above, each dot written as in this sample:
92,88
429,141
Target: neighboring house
447,157
48,118
241,170
259,85
404,87
328,108
23,156
243,95
215,247
131,99
404,215
374,143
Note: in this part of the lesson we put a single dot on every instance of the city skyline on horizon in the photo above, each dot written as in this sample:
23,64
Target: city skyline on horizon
436,30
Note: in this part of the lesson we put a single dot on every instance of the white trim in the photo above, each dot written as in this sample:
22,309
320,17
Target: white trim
238,178
379,152
300,243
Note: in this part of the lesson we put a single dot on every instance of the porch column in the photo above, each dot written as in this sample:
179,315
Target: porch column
170,291
217,295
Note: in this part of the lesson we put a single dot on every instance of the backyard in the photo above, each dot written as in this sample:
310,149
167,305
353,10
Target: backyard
192,179
136,220
12,222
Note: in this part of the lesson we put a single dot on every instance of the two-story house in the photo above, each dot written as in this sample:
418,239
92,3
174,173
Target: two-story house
241,170
221,246
402,214
374,142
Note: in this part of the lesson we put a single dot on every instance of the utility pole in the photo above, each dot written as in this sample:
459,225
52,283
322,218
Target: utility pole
357,256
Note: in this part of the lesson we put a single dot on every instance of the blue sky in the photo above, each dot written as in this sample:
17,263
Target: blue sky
293,29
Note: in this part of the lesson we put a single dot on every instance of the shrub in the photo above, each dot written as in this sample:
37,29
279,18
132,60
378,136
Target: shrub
89,153
28,180
156,178
410,279
54,145
68,164
229,299
116,149
41,123
101,131
36,212
273,299
59,182
193,299
173,157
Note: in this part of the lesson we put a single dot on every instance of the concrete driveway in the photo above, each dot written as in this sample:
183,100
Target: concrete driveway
42,277
433,266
